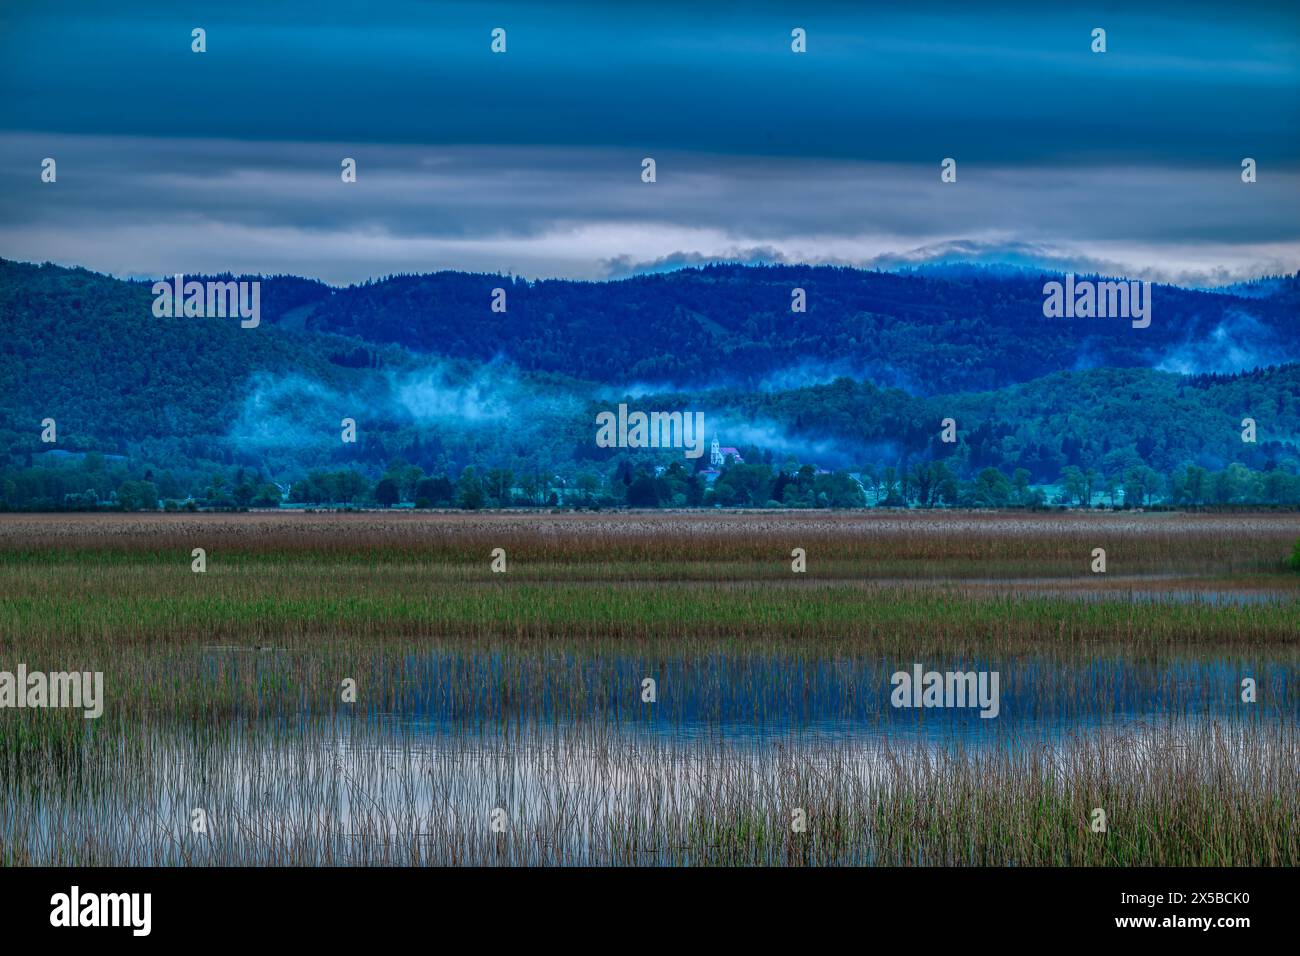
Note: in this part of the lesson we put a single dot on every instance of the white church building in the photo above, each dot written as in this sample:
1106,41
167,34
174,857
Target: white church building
718,454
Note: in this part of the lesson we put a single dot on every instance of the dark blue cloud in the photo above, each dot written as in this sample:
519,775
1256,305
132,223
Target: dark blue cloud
1126,162
1010,83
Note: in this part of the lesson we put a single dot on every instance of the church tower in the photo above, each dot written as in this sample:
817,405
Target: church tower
715,453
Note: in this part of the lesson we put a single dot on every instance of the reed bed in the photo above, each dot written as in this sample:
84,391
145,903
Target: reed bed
96,609
467,686
334,795
683,546
521,691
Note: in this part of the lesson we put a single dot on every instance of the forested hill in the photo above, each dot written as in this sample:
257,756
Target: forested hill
926,332
86,350
434,377
1108,419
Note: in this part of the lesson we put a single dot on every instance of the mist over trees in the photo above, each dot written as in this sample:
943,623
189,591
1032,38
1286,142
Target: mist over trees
459,407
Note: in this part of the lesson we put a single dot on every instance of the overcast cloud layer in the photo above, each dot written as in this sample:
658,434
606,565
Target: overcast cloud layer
1127,162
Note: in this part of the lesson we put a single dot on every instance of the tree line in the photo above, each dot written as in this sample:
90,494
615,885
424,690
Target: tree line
93,482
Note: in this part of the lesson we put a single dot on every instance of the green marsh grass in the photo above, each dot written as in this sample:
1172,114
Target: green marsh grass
223,688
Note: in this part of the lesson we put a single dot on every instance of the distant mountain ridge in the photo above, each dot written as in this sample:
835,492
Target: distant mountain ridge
928,330
703,325
435,375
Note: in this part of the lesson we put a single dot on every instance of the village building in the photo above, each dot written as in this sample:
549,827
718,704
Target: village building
718,454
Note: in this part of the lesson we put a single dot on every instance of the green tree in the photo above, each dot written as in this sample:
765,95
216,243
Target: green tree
497,486
137,495
437,492
642,493
350,486
1073,484
838,490
990,489
387,492
469,490
268,496
1020,486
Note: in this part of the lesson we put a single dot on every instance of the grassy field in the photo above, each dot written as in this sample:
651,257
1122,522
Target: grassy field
520,689
681,545
122,579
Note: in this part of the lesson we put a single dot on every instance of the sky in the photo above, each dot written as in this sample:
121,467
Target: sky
1126,162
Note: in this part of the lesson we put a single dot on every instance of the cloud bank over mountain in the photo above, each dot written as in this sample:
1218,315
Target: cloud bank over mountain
529,162
200,206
